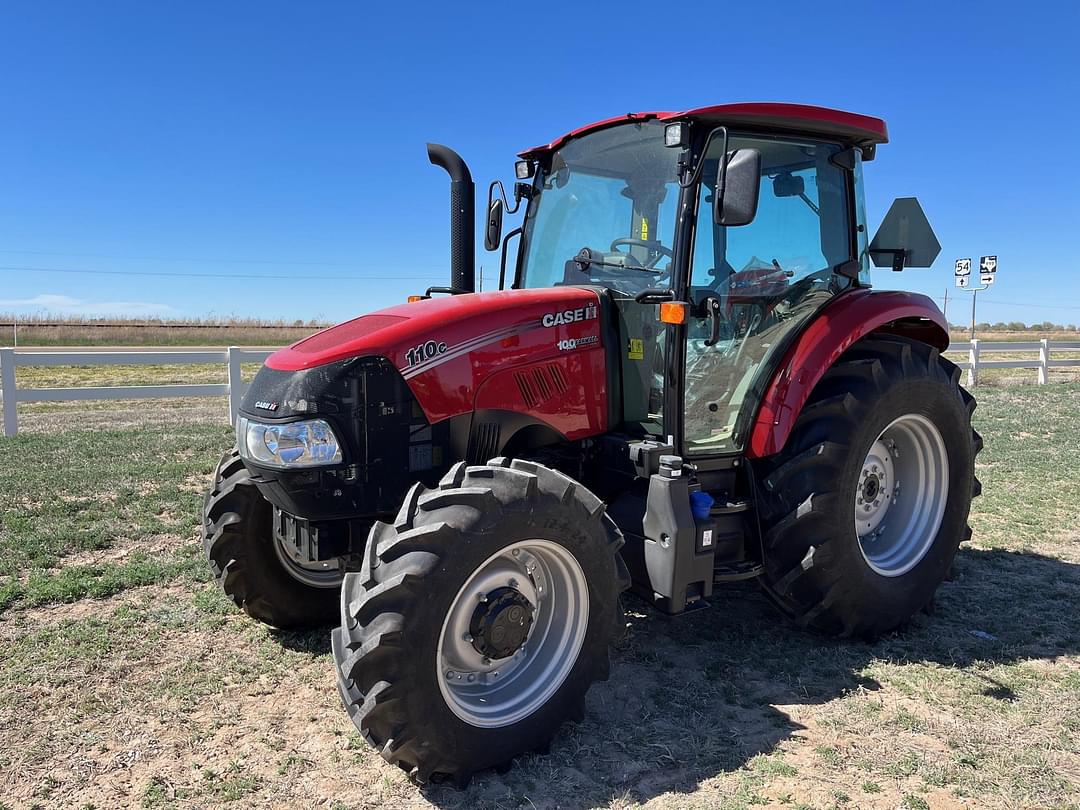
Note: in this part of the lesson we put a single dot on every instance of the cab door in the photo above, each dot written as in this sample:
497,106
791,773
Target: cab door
752,287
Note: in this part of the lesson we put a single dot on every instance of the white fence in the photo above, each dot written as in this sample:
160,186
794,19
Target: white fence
231,358
1042,361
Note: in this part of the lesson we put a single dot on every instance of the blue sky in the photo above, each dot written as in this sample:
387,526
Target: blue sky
277,149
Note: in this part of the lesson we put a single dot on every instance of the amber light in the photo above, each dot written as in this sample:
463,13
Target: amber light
412,299
673,312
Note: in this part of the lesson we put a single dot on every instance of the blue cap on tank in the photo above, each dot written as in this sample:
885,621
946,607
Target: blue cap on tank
700,504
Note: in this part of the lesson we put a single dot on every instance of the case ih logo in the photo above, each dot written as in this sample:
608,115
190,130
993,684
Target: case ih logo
569,316
266,406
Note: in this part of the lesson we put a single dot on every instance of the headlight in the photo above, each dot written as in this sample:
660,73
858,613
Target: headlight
310,443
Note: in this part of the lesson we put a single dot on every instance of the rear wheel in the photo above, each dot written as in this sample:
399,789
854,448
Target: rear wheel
249,563
865,507
479,619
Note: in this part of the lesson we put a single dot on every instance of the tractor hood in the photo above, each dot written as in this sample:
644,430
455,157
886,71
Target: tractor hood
538,352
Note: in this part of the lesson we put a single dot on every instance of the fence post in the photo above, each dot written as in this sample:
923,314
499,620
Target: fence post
236,384
1044,361
7,387
973,364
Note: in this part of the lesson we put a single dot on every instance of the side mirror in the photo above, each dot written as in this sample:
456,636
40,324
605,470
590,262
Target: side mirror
738,186
493,225
905,238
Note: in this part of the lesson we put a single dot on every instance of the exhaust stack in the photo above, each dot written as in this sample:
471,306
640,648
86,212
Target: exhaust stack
462,217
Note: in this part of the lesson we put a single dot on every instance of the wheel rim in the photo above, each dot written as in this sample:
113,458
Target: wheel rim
321,574
901,494
491,692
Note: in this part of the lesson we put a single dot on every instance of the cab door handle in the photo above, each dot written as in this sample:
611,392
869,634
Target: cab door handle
712,312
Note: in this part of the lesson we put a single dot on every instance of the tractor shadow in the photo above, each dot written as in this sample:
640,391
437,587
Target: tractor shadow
694,697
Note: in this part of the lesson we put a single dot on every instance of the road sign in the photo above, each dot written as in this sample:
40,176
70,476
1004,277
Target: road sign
963,272
987,269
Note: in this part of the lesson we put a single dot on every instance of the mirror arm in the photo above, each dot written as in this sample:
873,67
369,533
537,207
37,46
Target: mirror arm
502,258
502,194
654,295
684,161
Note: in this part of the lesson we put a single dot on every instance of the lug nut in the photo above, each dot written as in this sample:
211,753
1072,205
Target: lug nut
467,638
450,675
516,552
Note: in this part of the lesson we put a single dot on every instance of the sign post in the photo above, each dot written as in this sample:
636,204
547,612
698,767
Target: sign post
987,273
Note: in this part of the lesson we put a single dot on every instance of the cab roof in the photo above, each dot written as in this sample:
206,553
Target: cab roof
853,128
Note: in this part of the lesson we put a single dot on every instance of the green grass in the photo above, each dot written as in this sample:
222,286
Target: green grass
121,657
89,513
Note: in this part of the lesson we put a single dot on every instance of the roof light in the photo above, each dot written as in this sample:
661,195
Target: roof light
677,134
523,169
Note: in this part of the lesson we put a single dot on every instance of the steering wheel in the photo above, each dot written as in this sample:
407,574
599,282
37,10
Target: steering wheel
654,247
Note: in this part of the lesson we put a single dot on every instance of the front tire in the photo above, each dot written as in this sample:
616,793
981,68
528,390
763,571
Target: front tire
864,509
480,619
251,568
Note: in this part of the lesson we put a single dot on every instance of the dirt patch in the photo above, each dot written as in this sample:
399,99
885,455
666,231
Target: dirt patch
157,544
19,623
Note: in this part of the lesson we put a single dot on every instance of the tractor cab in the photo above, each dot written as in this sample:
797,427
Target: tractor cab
745,229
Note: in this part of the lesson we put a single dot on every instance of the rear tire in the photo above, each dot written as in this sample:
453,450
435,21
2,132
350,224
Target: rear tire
887,426
405,618
238,539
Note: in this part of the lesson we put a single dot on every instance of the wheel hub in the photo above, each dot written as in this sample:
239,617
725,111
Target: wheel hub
901,494
512,633
873,498
501,623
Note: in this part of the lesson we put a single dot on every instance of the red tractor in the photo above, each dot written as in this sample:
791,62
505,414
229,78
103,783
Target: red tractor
684,380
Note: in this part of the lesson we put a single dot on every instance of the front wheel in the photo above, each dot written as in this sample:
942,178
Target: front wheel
249,563
865,507
479,620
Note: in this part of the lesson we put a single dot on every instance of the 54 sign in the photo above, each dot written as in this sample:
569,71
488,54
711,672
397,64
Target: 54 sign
963,272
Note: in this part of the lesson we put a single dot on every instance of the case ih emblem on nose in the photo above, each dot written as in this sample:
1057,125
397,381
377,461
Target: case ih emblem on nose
569,316
263,405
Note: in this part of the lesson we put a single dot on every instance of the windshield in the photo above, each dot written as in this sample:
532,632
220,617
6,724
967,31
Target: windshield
615,193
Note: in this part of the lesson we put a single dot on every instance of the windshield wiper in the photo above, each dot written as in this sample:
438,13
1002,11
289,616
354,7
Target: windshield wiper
587,257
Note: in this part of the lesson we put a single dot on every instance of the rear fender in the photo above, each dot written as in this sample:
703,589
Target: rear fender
829,335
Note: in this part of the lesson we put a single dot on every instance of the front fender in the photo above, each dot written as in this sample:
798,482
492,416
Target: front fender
838,326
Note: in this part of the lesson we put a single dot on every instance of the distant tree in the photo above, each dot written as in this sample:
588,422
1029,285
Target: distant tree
999,326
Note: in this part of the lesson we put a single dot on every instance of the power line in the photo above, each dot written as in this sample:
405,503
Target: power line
1020,304
192,259
260,276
